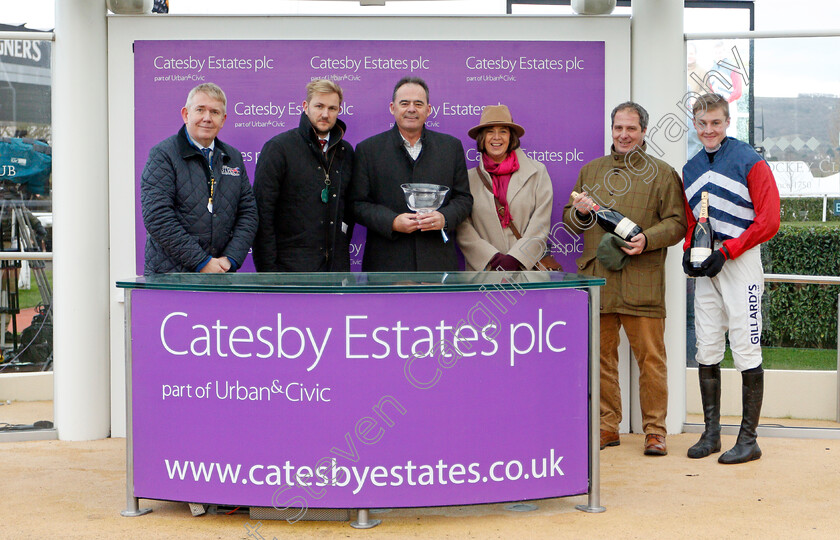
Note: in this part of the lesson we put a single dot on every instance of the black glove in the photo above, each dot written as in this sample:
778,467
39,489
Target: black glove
687,268
504,263
712,266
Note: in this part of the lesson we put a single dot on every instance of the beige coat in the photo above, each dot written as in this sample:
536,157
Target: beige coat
530,197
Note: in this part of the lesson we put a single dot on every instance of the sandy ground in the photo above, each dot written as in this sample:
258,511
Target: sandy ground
57,489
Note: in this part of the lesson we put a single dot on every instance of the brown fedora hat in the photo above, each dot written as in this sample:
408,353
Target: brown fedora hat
496,115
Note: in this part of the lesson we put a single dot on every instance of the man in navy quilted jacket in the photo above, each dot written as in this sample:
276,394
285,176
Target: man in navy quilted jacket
198,207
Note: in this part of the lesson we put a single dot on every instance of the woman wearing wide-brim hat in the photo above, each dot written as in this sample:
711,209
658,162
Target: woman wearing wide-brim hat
511,194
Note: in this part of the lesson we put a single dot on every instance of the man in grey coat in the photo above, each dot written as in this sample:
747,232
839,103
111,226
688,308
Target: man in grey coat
197,204
398,239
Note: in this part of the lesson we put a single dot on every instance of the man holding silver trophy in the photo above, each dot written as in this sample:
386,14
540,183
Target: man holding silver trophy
399,239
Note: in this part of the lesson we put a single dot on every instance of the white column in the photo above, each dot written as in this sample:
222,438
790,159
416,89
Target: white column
80,217
658,84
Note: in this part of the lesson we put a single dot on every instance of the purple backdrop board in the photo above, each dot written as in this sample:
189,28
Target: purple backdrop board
327,400
555,90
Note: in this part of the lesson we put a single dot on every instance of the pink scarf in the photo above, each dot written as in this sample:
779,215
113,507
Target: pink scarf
500,173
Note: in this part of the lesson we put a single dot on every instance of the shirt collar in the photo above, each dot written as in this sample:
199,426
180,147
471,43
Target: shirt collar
194,144
408,144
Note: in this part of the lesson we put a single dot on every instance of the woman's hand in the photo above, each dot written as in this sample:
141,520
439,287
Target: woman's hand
504,263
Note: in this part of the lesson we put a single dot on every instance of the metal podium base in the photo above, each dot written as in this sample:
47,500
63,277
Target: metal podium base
590,509
364,522
135,513
521,507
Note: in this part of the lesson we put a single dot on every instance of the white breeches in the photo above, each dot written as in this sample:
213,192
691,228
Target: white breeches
731,301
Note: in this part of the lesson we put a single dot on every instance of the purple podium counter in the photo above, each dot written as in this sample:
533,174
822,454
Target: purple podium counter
358,391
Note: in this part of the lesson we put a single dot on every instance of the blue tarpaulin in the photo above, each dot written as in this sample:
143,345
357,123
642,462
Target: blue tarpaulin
26,162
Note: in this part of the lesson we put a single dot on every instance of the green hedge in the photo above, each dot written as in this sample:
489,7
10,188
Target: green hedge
801,315
800,209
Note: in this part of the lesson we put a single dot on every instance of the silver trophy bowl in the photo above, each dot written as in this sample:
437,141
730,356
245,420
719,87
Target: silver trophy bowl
425,198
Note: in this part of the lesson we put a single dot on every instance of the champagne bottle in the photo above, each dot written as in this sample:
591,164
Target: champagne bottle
614,221
701,239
